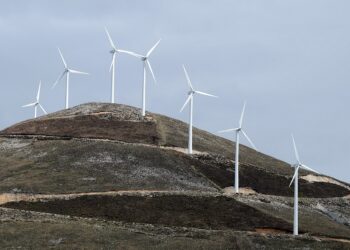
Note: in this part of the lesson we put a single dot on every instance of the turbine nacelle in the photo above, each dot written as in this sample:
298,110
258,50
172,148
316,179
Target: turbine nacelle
144,58
66,70
295,165
240,129
191,92
298,164
66,73
36,103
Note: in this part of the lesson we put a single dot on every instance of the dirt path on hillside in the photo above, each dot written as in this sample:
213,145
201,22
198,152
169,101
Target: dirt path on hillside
9,197
50,137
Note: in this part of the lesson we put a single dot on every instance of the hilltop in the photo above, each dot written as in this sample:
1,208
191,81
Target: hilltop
105,165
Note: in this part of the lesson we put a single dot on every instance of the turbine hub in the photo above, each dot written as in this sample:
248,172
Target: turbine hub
144,58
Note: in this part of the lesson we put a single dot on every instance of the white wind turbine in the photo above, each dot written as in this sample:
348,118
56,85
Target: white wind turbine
238,130
36,103
114,51
191,93
146,64
67,72
295,179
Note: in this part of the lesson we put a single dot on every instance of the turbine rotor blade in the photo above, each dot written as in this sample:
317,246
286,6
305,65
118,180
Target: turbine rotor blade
295,174
42,108
29,105
188,78
59,79
187,100
308,168
150,69
151,50
249,140
295,150
131,53
242,115
64,62
228,130
38,94
78,72
202,93
110,39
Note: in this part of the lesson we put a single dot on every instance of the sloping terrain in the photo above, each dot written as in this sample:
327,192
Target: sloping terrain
124,123
47,231
107,163
114,148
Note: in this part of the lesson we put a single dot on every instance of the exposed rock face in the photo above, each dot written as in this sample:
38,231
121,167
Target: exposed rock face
106,162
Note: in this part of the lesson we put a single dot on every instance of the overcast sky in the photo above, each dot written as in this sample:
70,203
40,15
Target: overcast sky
290,60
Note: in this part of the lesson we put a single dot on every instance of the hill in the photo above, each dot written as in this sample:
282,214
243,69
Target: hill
100,165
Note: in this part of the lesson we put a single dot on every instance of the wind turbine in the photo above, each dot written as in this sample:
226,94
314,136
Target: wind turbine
114,51
295,179
146,64
36,103
66,72
238,130
191,93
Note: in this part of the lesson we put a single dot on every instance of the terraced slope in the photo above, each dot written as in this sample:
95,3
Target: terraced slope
107,163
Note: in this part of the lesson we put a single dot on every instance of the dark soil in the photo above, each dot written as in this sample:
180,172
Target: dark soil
221,172
175,210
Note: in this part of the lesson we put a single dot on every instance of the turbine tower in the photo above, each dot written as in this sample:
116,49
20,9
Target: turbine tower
114,51
36,103
295,179
191,93
146,64
238,130
66,73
